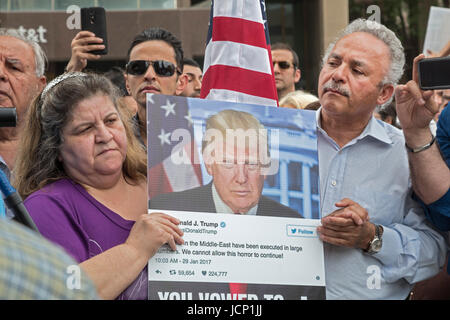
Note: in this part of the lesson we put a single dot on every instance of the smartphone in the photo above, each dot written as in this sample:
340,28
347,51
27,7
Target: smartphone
94,19
434,73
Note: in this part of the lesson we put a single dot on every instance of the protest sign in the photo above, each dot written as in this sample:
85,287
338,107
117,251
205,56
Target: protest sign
436,37
210,159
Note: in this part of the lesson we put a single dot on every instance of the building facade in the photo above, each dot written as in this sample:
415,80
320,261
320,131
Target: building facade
307,25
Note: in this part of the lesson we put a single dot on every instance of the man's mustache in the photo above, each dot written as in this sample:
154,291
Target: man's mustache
334,86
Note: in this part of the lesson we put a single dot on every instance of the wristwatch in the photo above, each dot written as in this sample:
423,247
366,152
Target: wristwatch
377,241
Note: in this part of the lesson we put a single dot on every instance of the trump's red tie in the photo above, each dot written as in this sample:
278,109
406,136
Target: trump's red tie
237,288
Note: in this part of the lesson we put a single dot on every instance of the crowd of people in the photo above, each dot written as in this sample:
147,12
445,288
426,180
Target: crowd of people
78,158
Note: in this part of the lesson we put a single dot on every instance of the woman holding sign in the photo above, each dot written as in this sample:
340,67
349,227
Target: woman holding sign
83,175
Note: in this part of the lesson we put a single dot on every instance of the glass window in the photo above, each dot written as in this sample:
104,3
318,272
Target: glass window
315,210
3,5
281,22
314,172
295,176
30,5
118,4
158,4
64,4
272,181
46,5
297,205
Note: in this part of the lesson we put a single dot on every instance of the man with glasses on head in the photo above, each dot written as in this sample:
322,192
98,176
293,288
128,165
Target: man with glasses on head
286,68
155,66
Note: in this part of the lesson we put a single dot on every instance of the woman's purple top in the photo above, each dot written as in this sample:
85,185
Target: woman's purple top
66,214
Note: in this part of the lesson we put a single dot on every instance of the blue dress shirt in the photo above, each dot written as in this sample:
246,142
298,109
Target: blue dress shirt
438,212
373,171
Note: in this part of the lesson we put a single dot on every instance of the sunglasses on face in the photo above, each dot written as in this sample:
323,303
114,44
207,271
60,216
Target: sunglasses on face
282,64
162,68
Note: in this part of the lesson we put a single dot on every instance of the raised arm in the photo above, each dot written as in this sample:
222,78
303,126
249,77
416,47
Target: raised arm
82,44
415,109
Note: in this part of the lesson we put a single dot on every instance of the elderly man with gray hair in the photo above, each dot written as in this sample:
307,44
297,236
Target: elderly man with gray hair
22,67
377,242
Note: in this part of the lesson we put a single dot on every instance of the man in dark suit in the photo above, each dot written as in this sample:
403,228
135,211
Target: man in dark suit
201,200
235,153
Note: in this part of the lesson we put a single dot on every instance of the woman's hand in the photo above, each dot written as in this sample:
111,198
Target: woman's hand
151,231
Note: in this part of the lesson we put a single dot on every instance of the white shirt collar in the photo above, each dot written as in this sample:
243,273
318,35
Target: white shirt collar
374,128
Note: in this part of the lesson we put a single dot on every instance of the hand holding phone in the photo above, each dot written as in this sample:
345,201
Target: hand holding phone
415,107
94,20
82,46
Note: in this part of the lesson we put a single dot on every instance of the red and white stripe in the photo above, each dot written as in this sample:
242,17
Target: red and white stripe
238,63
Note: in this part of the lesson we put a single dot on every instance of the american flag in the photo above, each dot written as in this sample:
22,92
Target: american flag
173,159
238,60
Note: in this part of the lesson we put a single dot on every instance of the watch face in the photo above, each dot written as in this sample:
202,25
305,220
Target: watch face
376,245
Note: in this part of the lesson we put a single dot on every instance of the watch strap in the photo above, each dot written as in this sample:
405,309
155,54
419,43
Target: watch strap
378,233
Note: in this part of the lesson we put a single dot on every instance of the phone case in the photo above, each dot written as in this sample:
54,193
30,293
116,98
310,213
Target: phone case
434,73
94,19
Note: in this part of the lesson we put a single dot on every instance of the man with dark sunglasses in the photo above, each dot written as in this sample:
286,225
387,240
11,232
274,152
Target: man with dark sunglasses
286,68
155,66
